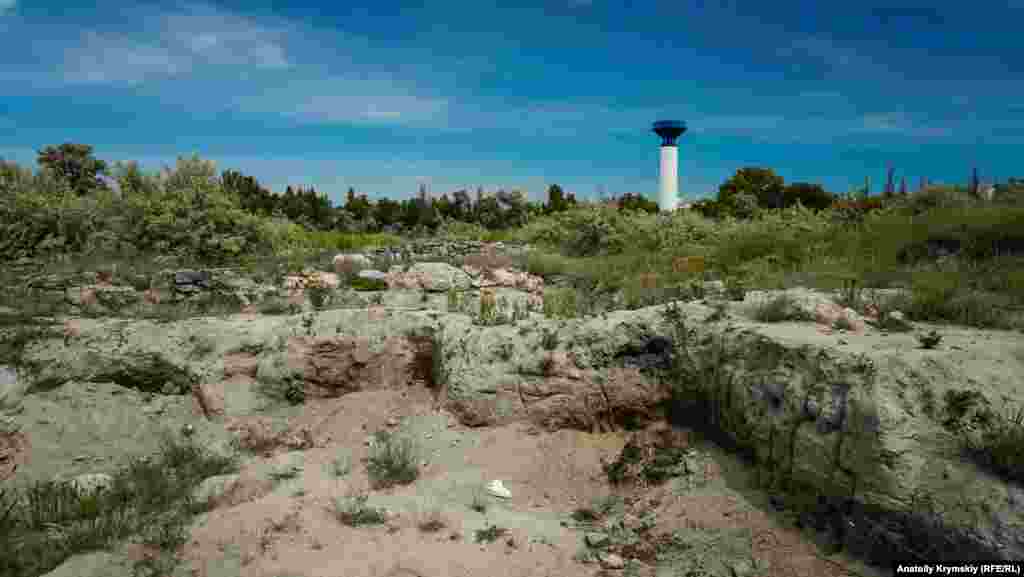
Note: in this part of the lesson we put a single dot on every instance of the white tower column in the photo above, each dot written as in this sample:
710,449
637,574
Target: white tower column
668,192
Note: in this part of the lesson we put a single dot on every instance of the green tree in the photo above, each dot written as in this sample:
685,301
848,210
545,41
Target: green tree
630,201
251,196
489,213
810,195
75,165
761,183
515,211
556,199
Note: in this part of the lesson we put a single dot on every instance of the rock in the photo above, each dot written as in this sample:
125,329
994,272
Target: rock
191,281
611,560
12,390
371,274
497,489
432,277
596,540
744,568
215,488
349,263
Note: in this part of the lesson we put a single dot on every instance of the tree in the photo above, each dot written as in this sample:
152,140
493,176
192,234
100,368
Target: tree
462,206
974,187
810,195
556,199
74,165
630,201
903,186
761,183
516,211
252,197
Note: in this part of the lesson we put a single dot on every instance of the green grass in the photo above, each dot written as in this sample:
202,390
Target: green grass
44,524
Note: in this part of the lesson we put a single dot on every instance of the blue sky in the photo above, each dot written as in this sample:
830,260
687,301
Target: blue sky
385,95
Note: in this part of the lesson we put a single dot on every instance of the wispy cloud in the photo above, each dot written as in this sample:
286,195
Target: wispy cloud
184,42
347,100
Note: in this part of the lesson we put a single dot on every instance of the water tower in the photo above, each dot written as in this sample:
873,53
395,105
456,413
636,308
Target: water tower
668,192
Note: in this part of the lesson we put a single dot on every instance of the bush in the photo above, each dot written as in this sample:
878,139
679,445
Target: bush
392,460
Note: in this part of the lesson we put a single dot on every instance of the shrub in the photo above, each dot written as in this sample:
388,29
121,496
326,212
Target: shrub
369,284
392,460
352,511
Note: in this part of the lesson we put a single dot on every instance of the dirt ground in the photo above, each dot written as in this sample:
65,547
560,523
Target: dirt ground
287,528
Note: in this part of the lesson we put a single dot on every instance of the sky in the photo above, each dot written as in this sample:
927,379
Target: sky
384,96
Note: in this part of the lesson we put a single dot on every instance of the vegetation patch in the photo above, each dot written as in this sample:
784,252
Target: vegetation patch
353,511
49,522
392,460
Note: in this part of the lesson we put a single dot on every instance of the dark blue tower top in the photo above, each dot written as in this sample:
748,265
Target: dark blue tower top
669,131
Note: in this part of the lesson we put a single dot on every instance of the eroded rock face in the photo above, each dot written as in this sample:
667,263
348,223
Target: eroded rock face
842,417
429,276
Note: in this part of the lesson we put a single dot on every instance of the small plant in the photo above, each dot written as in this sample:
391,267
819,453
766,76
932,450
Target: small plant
488,307
289,472
560,303
736,289
850,294
505,351
720,312
843,324
433,523
275,307
340,466
550,340
360,283
490,534
295,391
930,339
201,347
479,503
781,308
307,323
392,460
454,300
318,295
352,511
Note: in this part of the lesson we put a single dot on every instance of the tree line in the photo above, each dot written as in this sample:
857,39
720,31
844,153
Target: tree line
74,167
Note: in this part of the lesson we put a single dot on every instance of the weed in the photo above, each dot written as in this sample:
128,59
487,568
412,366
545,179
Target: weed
392,460
433,522
149,498
202,346
505,351
778,309
560,303
479,503
550,340
289,472
454,300
352,511
488,308
490,534
843,324
340,466
930,339
275,307
319,296
368,284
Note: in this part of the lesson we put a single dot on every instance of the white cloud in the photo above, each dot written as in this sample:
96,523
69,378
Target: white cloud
182,43
346,100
